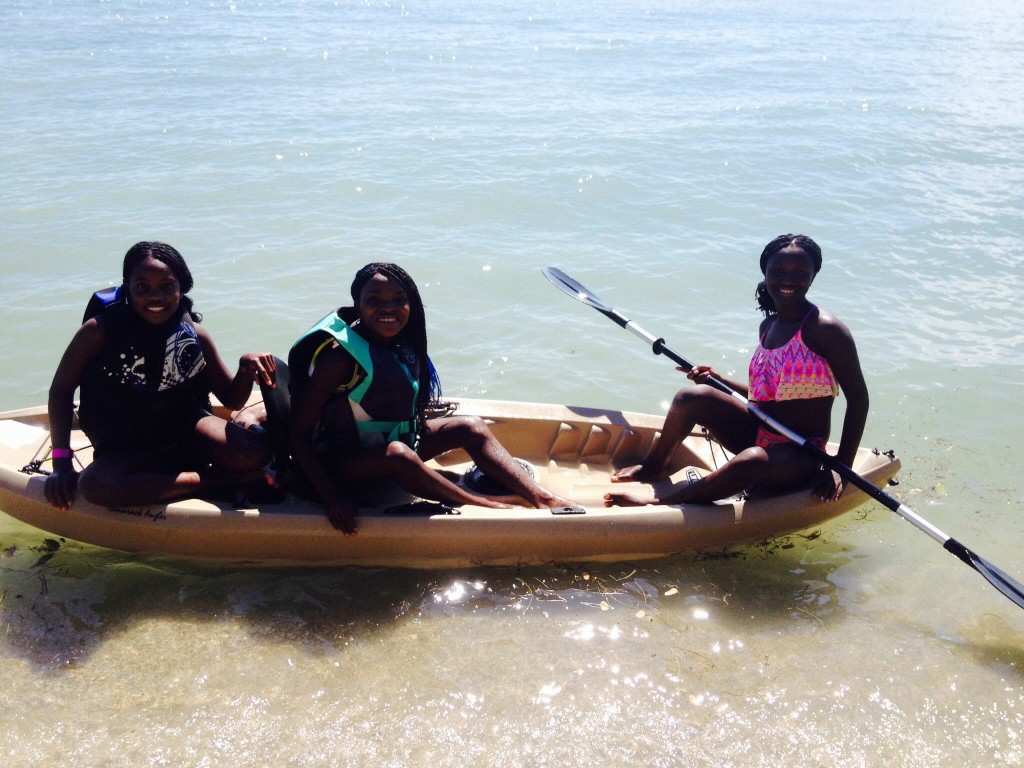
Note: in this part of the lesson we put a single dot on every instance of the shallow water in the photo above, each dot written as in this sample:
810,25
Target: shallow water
650,151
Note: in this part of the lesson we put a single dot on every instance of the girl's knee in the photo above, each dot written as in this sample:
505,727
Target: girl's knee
473,424
472,431
95,486
680,398
87,483
246,449
753,456
258,449
752,464
403,463
692,395
749,467
399,453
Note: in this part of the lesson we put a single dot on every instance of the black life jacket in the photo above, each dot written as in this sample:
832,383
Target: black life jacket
102,299
146,386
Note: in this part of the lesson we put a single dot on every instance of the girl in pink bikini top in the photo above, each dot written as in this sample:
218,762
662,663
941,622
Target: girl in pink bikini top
790,372
790,381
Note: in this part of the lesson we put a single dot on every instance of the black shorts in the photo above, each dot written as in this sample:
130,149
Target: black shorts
173,444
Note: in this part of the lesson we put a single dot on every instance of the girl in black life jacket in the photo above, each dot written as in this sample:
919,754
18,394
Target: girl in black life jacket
146,368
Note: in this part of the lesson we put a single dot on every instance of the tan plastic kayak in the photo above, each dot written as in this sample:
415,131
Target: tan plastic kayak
572,450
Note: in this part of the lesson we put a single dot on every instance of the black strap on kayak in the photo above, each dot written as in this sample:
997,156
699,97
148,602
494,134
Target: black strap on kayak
277,401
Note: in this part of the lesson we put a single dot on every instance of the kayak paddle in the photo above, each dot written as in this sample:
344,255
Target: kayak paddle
1010,588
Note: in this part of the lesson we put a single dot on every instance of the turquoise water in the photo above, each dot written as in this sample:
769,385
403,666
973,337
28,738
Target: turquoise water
650,150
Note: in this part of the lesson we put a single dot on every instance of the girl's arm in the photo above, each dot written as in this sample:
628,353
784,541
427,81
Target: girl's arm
334,367
86,344
253,367
845,364
701,373
838,347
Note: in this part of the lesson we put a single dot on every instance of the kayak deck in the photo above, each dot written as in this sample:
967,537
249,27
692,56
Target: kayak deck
572,451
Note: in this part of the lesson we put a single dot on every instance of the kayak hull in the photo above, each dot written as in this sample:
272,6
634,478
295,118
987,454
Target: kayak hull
572,451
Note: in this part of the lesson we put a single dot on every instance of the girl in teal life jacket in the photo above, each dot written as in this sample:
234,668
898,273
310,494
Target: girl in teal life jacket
361,386
145,369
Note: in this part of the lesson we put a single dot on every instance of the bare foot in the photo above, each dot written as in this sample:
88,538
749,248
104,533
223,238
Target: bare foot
638,473
488,503
491,504
627,500
251,416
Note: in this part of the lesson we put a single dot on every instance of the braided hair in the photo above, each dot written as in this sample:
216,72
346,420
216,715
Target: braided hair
781,243
415,330
163,252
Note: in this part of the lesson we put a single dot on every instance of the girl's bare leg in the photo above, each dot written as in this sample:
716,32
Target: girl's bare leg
472,435
237,457
776,466
120,480
726,417
400,463
231,446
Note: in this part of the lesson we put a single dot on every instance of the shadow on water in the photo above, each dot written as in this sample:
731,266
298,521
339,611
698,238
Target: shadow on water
60,601
989,640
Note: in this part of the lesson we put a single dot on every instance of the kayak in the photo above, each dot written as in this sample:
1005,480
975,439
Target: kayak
572,451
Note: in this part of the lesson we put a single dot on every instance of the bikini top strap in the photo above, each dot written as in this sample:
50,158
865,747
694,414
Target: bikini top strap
809,313
799,330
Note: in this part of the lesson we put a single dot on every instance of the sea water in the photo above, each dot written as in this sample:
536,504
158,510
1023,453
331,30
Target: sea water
650,150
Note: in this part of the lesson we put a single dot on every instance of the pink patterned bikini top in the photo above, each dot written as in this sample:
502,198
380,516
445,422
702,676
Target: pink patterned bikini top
790,372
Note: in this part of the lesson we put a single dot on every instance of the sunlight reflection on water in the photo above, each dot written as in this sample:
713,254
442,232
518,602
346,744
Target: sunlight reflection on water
650,152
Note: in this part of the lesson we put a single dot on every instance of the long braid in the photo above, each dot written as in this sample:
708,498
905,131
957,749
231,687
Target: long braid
169,256
780,243
415,330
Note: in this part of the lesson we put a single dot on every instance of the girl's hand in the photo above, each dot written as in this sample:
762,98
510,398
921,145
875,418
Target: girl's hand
828,485
700,374
261,366
60,488
342,514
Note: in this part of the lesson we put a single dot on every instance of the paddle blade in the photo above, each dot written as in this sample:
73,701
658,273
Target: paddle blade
1008,586
575,289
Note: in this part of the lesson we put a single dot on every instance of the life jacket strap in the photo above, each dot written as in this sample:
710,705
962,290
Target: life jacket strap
393,430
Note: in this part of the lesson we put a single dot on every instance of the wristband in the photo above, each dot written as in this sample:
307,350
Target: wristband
62,453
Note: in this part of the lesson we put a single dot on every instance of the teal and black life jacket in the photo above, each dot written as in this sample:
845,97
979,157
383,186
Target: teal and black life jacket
384,393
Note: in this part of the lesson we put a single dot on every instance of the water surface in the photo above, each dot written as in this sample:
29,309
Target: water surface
650,150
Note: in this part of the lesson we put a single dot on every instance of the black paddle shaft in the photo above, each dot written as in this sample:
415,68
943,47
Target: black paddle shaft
1006,585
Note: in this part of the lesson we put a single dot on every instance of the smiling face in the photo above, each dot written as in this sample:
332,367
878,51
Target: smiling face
788,276
383,308
153,291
